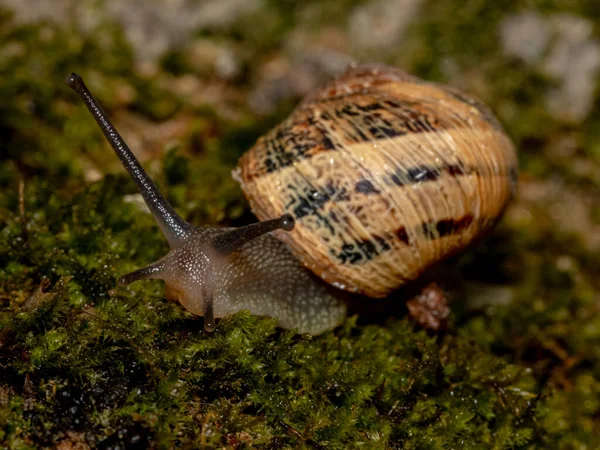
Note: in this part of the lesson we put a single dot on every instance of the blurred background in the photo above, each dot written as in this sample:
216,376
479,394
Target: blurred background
209,77
191,84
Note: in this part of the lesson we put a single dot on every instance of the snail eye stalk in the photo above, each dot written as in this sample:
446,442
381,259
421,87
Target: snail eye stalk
231,240
175,229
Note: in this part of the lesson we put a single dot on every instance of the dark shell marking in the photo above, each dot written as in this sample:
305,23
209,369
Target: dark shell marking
385,174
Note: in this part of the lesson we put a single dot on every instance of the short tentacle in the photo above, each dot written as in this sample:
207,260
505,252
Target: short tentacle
154,270
208,309
172,225
230,240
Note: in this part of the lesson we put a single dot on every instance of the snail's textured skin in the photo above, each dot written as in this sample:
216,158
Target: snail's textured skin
385,175
262,276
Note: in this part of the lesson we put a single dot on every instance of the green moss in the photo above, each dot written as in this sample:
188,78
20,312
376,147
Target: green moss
84,361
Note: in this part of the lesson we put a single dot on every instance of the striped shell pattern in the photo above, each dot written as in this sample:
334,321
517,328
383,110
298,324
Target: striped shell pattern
385,174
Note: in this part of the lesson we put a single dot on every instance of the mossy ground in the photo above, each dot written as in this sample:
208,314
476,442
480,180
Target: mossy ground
83,363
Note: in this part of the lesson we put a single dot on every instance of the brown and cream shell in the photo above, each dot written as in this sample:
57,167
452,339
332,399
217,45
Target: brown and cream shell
385,175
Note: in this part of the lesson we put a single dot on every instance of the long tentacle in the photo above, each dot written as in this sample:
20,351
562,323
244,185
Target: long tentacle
172,225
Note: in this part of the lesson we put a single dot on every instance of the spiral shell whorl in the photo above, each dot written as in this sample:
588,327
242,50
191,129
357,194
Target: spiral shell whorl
385,174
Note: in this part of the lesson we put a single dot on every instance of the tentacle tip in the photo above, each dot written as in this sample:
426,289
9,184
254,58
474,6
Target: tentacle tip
209,325
74,81
287,222
122,281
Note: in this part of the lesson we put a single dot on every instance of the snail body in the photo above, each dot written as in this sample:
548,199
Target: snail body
371,180
385,175
214,272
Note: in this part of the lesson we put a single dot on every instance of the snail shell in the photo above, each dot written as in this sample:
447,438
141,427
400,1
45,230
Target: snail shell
385,175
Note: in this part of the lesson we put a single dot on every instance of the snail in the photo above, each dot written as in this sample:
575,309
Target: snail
370,181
